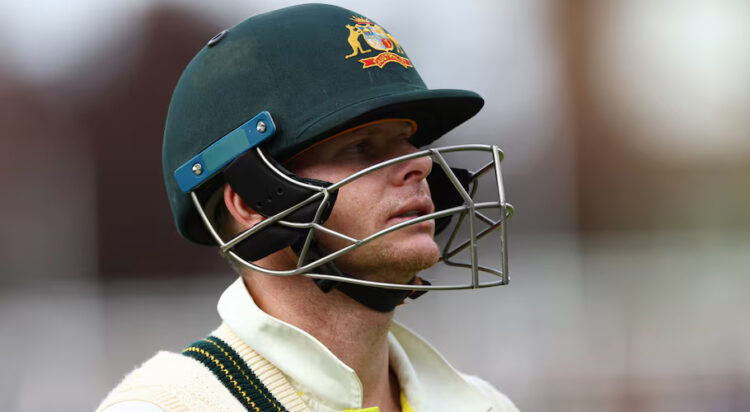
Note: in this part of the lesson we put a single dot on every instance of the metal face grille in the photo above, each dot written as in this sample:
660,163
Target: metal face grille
460,248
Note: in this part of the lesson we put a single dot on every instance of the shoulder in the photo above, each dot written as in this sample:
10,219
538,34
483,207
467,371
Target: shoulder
500,402
169,381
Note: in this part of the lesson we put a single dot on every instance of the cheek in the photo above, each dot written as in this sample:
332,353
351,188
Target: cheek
358,209
321,172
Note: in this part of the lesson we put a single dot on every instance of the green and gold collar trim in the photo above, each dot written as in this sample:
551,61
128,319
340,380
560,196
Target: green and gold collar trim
237,377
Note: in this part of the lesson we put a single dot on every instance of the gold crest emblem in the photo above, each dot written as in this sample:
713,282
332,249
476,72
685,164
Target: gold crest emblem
378,39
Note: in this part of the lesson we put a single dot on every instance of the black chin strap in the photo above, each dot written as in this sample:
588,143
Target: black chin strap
379,299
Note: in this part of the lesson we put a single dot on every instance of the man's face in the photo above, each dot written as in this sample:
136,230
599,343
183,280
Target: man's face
376,201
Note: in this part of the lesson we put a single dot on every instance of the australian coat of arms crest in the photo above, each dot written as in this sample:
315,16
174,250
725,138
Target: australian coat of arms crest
375,38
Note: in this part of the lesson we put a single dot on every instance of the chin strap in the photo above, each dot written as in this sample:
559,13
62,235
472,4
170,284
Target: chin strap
379,299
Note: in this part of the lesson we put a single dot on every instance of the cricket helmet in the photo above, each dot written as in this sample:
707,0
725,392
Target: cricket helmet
275,84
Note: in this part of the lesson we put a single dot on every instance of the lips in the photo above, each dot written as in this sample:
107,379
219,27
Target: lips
411,210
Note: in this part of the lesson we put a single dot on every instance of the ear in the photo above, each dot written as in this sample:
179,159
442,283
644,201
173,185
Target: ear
242,213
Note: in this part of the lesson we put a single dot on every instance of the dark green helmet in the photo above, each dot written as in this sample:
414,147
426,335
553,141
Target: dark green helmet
317,70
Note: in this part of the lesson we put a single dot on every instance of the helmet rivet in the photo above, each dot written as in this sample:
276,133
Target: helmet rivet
216,39
261,127
197,169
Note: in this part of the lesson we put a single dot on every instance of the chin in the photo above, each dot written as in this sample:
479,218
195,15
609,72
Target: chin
391,260
418,255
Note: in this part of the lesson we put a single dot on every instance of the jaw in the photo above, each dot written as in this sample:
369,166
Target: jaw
394,258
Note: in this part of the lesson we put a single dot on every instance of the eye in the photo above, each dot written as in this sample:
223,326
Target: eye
361,147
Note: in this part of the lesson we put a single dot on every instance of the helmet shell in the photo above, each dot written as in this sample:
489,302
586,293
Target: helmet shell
318,70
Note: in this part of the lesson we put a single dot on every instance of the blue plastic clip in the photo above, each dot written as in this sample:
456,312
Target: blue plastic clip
213,159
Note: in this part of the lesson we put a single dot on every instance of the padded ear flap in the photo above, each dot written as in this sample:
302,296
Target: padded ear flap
444,194
269,193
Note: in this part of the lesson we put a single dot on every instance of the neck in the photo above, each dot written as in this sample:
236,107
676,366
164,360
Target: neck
356,334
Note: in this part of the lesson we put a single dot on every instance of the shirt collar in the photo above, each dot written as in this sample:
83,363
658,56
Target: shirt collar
427,380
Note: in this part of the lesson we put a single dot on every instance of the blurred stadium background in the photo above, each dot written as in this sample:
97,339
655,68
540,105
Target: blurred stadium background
626,128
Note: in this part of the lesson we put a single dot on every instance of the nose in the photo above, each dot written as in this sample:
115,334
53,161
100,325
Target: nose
410,171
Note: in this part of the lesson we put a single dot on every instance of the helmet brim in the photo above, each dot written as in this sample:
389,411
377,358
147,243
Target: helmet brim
436,112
